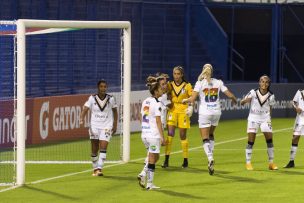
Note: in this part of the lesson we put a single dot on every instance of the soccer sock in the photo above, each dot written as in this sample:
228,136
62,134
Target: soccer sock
249,151
94,159
169,145
293,151
208,152
150,174
211,139
185,148
145,169
270,150
102,158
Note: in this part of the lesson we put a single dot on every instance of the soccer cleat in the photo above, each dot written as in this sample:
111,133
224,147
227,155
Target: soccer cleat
272,166
94,172
141,180
185,164
211,167
152,187
99,172
290,164
165,164
249,167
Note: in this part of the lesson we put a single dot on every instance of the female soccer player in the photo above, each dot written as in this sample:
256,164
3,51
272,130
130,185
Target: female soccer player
208,90
261,100
298,130
152,131
102,125
165,102
178,114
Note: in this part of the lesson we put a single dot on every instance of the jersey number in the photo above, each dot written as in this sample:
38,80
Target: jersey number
211,95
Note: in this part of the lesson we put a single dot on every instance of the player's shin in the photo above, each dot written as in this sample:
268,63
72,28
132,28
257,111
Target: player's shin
207,149
102,158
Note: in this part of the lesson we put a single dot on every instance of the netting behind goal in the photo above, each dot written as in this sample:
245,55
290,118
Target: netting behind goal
63,66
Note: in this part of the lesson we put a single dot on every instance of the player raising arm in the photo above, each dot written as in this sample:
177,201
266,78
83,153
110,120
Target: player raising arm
208,90
261,100
103,124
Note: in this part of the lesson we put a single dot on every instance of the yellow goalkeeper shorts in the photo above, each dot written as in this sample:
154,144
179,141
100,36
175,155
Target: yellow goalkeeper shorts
180,120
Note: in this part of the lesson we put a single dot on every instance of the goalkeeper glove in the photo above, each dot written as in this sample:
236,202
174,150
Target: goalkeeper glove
189,111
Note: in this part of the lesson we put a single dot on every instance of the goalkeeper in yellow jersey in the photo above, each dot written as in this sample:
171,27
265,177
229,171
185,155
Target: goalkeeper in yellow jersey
179,114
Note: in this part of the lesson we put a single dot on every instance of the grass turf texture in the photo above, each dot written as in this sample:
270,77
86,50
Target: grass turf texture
230,183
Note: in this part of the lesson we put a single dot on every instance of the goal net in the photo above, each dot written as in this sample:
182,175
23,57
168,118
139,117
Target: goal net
51,68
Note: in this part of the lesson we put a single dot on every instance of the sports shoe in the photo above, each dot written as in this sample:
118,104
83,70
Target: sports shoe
94,172
249,167
211,167
141,180
185,163
99,172
272,166
165,164
290,164
152,187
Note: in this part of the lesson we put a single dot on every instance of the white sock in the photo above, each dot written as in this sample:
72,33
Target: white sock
248,155
270,152
208,151
94,159
101,159
145,169
293,152
150,176
212,145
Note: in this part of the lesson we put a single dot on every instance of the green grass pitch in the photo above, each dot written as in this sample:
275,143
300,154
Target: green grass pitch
230,183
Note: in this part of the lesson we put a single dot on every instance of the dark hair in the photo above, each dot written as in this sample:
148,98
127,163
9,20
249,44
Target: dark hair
152,84
267,78
101,81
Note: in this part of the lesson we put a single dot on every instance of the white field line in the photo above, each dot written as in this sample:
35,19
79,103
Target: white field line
134,160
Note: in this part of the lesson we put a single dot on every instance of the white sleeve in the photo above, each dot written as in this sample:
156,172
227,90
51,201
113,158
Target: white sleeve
223,88
113,102
297,97
250,94
89,102
198,86
271,100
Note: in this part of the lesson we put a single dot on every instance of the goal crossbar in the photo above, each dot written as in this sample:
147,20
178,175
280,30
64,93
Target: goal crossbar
22,24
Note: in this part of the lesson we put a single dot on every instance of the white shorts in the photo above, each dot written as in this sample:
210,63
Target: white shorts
100,134
298,129
152,144
253,126
205,121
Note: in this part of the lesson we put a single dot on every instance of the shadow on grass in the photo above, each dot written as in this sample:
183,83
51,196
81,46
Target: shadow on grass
178,194
58,195
236,178
121,178
290,172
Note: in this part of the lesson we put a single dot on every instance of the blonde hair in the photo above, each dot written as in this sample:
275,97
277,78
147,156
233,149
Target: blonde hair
180,69
206,72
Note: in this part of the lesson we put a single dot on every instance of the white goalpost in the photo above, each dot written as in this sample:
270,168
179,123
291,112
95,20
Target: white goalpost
22,24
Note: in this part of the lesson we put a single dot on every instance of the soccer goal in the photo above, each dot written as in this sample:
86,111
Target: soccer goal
55,66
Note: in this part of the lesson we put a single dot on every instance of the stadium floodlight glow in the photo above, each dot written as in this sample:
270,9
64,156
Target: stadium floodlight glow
22,24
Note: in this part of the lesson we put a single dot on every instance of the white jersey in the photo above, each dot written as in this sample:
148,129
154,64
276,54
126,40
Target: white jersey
209,96
150,108
164,103
260,105
101,111
299,99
